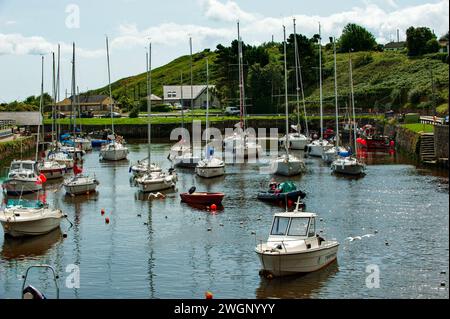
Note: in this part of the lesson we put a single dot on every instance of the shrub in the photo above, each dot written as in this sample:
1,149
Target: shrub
415,95
363,60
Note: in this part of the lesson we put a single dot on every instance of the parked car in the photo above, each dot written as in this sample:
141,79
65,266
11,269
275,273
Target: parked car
232,110
87,115
114,114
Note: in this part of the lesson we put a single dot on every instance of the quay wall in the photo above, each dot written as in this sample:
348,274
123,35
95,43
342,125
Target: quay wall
405,140
13,148
441,141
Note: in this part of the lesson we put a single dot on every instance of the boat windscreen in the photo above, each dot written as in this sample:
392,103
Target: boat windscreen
279,226
299,226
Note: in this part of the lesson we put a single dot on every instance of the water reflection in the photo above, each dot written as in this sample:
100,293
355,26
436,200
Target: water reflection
301,286
29,247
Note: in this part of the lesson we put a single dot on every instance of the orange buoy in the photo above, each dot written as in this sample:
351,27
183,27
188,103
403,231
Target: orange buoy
213,206
103,211
208,295
107,220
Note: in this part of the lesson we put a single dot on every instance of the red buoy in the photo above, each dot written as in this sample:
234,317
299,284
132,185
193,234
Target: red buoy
103,211
107,220
213,206
208,295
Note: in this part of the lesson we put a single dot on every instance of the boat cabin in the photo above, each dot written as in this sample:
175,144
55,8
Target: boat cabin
25,168
290,226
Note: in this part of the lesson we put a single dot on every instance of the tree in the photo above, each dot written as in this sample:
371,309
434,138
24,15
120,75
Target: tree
419,41
357,38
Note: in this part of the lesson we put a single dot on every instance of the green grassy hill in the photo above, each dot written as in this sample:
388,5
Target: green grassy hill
382,80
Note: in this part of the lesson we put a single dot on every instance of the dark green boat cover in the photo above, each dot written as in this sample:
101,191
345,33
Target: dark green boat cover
287,187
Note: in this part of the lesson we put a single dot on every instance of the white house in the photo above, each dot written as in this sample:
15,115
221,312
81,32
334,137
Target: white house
186,95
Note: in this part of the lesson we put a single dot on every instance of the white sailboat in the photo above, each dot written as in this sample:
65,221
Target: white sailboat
318,147
114,151
210,166
348,164
50,168
331,154
151,181
297,140
80,184
241,143
24,220
287,164
294,247
23,176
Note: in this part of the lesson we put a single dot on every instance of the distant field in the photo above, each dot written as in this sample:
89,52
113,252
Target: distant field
187,119
419,127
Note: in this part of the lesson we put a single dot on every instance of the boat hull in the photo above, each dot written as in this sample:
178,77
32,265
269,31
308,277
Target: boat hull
18,187
280,197
210,171
80,189
53,173
114,155
288,168
148,187
35,227
281,264
348,169
202,198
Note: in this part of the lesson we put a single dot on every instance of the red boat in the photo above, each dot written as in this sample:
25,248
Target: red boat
202,198
370,140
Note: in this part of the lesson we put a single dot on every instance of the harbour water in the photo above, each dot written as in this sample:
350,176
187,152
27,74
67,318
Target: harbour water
395,220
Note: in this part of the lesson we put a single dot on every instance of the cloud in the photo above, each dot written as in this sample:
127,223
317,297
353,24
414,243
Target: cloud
169,34
10,22
228,11
17,44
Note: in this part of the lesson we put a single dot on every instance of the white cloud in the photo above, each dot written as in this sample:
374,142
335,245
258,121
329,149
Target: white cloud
17,44
228,11
169,34
10,22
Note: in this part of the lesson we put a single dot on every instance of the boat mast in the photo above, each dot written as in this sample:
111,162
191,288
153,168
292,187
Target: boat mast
181,99
73,101
352,100
286,145
79,108
109,84
297,59
58,130
207,107
320,84
241,79
41,101
149,104
192,86
54,99
336,93
297,88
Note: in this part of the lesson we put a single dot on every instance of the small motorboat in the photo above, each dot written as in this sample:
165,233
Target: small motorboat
62,158
29,219
281,192
79,183
202,198
293,247
52,169
348,165
23,178
210,167
157,181
141,167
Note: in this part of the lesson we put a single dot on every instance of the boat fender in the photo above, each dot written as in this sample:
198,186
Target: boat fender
192,189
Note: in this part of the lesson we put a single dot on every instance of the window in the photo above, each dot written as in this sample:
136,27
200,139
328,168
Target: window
279,226
299,226
15,166
171,94
312,228
28,166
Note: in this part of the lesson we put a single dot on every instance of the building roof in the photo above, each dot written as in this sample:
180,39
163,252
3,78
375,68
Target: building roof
22,118
395,45
154,98
197,90
89,99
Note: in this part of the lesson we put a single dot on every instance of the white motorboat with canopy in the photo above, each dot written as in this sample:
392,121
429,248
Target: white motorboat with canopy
79,183
294,247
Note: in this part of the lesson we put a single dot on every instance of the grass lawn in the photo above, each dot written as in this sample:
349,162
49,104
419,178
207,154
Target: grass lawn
187,119
419,127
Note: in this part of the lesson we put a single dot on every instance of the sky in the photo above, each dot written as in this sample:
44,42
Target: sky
31,28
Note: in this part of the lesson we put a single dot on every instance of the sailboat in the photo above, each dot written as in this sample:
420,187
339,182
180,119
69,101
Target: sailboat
181,154
23,176
331,154
51,168
240,142
318,147
287,164
297,140
210,166
152,181
346,163
114,151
